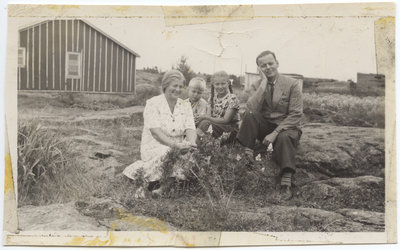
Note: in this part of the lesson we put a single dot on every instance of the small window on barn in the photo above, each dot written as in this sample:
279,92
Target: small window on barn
73,65
21,57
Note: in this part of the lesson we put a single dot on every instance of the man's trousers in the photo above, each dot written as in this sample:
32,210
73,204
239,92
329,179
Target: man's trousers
255,126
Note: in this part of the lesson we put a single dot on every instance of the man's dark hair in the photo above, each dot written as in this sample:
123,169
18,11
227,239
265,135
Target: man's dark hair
264,53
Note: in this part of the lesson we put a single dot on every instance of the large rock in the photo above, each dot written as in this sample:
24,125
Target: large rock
91,214
114,216
56,217
336,151
278,218
364,192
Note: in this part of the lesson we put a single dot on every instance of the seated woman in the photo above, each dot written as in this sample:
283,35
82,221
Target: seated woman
223,115
196,89
168,123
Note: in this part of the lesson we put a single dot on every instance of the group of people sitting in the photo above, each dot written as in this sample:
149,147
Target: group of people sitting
273,116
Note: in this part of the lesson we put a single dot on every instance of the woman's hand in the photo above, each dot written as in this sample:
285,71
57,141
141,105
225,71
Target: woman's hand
192,144
185,146
182,145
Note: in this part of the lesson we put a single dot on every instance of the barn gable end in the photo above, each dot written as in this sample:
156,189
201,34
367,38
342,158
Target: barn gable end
73,55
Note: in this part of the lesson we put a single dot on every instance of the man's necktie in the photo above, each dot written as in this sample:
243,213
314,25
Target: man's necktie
271,89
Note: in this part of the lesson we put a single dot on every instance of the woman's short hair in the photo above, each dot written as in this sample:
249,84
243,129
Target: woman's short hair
264,53
220,75
197,82
169,76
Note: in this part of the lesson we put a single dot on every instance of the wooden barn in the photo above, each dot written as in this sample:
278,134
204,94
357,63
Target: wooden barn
370,80
75,56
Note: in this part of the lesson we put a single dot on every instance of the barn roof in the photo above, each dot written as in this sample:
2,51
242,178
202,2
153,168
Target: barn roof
91,25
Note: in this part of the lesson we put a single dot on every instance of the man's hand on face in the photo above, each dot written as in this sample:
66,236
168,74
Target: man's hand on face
269,139
262,75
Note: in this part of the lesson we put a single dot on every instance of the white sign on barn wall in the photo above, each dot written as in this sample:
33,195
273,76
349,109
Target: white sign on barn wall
21,57
73,65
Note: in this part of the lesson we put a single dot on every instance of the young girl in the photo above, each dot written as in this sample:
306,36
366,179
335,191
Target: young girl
223,112
196,89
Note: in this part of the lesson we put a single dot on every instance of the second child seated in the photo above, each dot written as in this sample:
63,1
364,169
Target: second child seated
223,111
196,89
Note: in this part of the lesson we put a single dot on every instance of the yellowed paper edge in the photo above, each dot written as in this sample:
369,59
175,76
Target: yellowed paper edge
207,238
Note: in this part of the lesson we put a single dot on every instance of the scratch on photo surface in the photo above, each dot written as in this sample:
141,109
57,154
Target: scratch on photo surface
61,8
83,241
189,15
111,238
186,243
385,21
122,9
151,223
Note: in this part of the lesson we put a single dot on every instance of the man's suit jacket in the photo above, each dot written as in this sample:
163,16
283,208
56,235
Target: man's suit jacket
286,108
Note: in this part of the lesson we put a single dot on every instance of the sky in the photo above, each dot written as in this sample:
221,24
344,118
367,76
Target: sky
315,47
335,48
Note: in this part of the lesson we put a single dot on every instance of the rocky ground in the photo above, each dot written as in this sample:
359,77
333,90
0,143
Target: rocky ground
339,185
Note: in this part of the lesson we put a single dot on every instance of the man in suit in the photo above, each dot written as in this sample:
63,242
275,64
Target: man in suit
273,116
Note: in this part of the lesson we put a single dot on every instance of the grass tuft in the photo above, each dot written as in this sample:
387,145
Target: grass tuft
47,171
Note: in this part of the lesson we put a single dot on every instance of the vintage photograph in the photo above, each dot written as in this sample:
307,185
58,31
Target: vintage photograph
200,119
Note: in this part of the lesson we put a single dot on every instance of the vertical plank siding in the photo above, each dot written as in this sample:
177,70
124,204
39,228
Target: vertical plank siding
117,67
95,61
28,58
47,55
113,68
39,46
89,61
52,37
58,58
50,56
23,43
105,65
35,66
69,48
84,58
134,76
63,43
57,55
42,59
78,49
101,70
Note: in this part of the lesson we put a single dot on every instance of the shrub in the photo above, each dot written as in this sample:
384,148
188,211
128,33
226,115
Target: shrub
143,93
217,171
154,70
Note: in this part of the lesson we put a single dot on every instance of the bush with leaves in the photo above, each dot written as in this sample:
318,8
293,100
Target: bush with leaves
220,170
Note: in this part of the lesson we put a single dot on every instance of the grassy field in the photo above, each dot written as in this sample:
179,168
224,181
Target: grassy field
346,110
74,146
